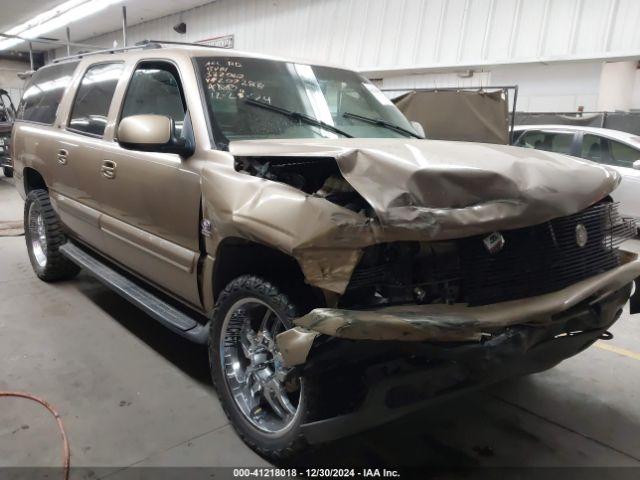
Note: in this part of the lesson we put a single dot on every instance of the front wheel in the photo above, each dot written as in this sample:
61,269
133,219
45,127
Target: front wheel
266,402
8,172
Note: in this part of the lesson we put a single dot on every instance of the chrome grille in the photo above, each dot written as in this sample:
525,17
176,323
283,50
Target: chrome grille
544,258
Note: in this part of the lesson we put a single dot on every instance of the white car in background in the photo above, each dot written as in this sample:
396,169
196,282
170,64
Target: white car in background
620,150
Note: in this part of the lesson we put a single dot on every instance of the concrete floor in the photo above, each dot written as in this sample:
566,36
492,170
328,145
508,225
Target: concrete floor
132,394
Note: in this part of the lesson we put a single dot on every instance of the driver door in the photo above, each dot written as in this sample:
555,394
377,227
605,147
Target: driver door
151,202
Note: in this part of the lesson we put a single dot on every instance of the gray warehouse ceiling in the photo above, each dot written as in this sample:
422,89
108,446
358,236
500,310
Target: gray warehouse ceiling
107,20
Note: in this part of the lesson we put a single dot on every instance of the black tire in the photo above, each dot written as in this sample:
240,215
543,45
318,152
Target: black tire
282,446
8,172
55,265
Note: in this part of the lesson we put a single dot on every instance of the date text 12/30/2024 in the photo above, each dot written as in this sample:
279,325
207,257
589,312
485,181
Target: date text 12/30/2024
315,473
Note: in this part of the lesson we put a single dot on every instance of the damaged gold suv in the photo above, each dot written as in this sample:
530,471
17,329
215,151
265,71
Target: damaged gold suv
342,270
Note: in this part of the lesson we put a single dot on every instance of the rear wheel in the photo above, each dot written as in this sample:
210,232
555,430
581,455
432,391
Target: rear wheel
8,172
44,236
266,402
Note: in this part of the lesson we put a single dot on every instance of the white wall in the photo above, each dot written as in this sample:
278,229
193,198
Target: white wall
553,49
555,87
9,80
558,87
393,35
617,81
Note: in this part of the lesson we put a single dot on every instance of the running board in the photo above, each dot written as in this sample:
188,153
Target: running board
166,314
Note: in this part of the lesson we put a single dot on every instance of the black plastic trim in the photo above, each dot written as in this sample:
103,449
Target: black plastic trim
166,314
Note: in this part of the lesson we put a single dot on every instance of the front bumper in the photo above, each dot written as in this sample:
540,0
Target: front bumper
449,323
422,374
401,359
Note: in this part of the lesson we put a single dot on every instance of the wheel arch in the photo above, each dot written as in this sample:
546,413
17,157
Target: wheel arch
33,180
236,257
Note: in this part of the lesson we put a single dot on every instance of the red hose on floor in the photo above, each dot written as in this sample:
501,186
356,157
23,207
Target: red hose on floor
66,453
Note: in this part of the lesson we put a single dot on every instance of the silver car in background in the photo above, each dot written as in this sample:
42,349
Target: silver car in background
619,150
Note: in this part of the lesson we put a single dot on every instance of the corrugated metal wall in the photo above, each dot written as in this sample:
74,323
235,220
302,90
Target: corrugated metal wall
9,80
413,35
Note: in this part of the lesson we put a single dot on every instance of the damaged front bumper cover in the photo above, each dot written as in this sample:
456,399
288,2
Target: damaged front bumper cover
406,359
399,387
412,357
451,323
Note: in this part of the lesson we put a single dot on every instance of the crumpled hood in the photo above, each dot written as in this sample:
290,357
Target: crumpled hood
453,189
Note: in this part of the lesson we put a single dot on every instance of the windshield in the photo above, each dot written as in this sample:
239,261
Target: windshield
249,98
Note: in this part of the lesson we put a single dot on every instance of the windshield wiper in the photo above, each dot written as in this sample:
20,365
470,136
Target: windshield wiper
382,123
297,116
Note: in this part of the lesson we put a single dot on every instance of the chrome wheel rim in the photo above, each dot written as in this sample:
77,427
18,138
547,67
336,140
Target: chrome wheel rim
38,236
262,388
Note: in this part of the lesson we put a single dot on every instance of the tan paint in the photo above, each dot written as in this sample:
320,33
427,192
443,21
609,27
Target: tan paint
437,190
285,218
448,323
206,290
440,322
164,263
295,345
145,129
82,220
156,195
420,191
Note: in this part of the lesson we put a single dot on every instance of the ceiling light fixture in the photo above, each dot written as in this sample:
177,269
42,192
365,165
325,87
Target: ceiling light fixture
58,17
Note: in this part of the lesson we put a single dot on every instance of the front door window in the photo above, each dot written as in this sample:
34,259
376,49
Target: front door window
155,89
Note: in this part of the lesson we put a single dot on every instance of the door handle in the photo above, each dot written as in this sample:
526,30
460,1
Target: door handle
62,156
109,169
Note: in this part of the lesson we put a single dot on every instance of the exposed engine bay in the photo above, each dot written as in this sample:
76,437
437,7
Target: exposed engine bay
476,270
315,176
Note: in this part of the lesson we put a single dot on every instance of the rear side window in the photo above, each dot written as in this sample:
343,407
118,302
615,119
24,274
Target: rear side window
623,155
44,92
530,139
92,102
594,148
559,142
610,152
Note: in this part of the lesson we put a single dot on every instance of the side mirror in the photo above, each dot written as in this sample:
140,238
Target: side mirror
417,126
636,165
152,133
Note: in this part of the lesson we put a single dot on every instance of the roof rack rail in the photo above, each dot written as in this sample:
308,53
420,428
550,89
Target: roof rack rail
142,45
188,44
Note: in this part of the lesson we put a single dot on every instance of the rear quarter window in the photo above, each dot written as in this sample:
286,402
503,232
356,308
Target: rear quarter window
623,155
44,92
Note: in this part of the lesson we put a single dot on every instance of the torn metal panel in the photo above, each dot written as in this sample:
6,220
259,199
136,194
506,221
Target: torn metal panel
434,190
457,323
414,190
410,324
440,322
295,344
329,269
325,238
